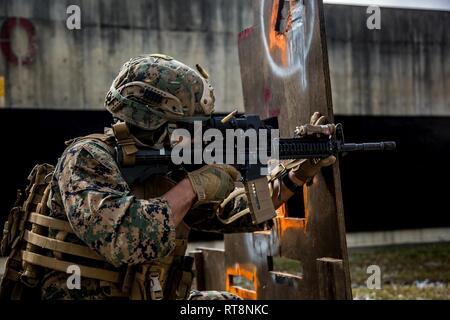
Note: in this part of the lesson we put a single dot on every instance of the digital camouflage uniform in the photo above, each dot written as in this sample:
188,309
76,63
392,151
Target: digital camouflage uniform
88,187
89,190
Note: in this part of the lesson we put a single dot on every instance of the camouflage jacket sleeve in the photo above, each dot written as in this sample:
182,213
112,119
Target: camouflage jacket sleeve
104,213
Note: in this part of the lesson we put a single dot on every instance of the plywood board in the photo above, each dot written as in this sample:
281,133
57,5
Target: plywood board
285,73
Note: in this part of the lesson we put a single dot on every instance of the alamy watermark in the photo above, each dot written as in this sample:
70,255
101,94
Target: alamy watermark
374,20
74,280
73,21
374,280
233,147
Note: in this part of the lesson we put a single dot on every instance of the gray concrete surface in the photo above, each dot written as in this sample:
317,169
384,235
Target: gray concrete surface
402,69
371,239
74,69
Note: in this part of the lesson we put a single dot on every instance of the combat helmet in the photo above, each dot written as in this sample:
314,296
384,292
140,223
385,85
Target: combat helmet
154,89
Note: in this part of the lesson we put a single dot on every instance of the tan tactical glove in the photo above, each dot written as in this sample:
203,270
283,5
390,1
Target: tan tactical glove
307,169
304,170
213,183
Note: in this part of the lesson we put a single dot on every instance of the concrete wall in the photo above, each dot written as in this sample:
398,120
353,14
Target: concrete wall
402,69
74,69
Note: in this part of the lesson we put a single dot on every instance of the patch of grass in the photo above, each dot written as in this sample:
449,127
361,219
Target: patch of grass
282,264
408,272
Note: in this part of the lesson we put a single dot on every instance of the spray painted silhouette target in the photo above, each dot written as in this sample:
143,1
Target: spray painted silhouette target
292,45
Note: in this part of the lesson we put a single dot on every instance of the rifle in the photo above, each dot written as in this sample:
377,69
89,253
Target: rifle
244,155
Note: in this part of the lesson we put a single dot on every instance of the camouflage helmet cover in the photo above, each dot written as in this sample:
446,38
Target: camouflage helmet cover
154,89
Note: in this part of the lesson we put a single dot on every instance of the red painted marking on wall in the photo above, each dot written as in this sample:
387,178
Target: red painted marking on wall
274,112
245,33
267,94
6,44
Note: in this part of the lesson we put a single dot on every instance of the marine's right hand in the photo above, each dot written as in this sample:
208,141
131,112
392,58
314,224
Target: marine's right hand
213,183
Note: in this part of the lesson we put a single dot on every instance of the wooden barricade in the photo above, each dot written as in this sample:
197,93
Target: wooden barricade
285,74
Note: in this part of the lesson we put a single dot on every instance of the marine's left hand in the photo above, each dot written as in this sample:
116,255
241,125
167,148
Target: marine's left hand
307,169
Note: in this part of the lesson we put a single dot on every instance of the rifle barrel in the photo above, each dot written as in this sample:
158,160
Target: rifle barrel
322,148
379,146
